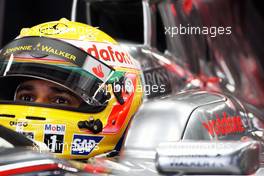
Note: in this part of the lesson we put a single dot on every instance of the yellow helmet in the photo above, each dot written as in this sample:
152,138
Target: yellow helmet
87,63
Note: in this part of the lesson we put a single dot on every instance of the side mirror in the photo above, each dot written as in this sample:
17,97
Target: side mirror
208,157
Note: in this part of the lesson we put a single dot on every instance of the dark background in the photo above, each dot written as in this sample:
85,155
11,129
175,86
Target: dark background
17,14
120,19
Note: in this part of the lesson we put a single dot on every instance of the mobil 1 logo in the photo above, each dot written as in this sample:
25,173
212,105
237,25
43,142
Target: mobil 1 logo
84,145
54,137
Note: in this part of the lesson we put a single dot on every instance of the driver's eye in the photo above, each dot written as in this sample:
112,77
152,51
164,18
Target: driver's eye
26,97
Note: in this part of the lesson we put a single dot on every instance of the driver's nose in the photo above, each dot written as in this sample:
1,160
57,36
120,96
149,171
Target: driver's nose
41,99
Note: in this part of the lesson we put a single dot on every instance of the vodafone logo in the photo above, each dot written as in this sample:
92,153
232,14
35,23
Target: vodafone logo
113,55
109,54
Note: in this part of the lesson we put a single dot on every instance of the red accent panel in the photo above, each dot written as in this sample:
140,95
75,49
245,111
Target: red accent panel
28,169
120,112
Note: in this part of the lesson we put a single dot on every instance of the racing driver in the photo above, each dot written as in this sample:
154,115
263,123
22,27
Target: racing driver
70,86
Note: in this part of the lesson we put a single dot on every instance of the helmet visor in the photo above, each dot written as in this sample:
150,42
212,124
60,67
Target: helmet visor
59,62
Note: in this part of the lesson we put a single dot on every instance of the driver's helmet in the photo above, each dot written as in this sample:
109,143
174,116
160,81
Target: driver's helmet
85,63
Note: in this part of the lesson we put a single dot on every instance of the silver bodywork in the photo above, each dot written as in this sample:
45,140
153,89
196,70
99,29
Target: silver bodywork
181,116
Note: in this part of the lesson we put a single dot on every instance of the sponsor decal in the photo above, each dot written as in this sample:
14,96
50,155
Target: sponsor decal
49,49
54,137
92,65
197,161
54,129
108,54
16,123
53,28
84,145
157,82
225,125
98,71
40,47
18,48
113,55
54,142
96,68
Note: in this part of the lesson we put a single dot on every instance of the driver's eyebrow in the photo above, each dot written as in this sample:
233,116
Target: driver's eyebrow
60,90
25,87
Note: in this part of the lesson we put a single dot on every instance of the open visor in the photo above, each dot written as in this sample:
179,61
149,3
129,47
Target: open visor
59,62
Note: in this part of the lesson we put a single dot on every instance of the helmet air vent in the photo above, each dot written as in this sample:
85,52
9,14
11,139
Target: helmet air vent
7,115
35,118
